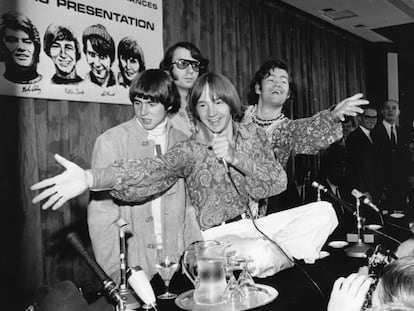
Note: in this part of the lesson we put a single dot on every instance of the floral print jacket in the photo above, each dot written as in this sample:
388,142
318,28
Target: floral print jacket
216,195
301,136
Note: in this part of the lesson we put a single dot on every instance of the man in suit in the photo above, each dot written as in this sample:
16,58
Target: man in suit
362,170
391,143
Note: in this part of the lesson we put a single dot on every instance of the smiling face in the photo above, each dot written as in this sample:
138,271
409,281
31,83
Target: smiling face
129,67
184,78
149,113
63,54
368,118
100,64
20,46
274,88
213,112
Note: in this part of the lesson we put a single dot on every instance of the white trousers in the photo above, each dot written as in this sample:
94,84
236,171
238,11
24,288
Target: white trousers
300,232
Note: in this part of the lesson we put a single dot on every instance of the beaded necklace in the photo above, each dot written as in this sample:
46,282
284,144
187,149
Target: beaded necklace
266,123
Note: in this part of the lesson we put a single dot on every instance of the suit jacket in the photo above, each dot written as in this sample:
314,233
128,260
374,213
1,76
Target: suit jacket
362,164
393,161
179,224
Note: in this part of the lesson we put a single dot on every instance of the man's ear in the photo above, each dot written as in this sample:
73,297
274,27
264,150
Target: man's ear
257,89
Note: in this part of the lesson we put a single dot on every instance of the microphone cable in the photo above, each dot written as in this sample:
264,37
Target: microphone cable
289,259
385,235
279,247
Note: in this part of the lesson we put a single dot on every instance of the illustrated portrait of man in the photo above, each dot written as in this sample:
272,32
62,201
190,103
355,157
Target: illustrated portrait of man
130,60
61,45
19,48
99,49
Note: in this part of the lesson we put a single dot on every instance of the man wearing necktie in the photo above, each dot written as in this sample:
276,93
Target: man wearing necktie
391,145
361,161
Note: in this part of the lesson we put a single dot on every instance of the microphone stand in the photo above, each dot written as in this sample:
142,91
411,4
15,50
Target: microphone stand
109,286
131,303
359,249
348,206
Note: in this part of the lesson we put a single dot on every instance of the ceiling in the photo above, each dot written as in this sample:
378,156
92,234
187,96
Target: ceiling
374,20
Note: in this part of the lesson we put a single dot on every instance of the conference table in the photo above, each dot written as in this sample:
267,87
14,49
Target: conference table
296,286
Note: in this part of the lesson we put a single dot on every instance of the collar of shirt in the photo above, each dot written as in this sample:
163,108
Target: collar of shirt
388,128
366,132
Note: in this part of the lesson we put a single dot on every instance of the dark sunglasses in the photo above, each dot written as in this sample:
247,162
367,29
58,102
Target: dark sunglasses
184,63
369,117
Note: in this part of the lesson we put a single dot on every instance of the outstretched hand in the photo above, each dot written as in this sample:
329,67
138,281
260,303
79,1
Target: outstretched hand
348,294
63,187
349,107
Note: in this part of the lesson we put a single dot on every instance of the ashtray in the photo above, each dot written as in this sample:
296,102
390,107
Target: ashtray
338,244
397,214
265,294
373,226
323,254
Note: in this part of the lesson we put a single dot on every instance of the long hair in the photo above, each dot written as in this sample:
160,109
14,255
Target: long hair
220,87
194,51
129,48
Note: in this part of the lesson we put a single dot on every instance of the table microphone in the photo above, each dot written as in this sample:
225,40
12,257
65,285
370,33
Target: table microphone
318,186
142,287
109,285
364,199
344,203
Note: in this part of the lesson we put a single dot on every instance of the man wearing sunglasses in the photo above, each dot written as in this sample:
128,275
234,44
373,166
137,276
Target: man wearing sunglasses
185,64
362,167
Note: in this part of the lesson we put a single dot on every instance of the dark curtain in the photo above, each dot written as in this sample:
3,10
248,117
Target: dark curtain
237,36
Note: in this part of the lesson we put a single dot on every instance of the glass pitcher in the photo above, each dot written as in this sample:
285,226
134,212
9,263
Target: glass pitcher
203,263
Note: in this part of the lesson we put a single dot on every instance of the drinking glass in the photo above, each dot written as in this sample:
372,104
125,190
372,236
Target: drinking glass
245,280
233,293
166,265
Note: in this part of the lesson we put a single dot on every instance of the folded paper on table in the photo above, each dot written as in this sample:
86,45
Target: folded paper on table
300,232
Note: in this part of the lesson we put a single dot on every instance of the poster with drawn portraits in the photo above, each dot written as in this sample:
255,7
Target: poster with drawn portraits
82,50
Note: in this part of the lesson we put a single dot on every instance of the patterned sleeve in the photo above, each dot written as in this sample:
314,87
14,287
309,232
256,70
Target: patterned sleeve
309,135
265,176
138,180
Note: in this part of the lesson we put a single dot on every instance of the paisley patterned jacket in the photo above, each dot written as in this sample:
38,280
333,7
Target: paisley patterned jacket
216,196
301,136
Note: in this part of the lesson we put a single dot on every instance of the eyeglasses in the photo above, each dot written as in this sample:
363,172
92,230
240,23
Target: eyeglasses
184,63
369,117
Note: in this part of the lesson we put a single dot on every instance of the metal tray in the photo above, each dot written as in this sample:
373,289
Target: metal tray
265,295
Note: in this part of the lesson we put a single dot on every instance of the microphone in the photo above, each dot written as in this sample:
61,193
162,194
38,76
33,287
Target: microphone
344,203
226,167
318,186
364,199
139,282
108,284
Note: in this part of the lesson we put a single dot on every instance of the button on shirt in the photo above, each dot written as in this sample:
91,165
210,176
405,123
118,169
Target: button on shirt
159,136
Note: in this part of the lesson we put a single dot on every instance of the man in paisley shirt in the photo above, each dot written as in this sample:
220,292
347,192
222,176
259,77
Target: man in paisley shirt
223,163
269,90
